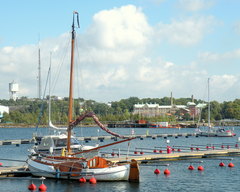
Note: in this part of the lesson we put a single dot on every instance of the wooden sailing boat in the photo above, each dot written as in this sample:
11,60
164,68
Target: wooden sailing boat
69,166
214,131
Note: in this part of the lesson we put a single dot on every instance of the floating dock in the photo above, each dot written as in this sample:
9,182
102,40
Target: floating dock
147,158
18,171
101,138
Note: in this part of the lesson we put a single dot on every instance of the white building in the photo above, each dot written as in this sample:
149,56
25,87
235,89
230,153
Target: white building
152,110
3,109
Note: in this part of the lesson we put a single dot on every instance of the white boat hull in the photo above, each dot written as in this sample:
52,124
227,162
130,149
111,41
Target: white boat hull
114,173
216,134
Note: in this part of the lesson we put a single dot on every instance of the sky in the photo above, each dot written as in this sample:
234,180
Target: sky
127,48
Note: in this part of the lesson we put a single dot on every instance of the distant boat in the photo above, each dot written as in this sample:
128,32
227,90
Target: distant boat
68,166
214,131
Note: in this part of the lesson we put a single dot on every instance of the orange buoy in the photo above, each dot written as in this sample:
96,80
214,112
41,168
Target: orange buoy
221,164
32,187
82,180
93,180
167,172
231,165
157,171
200,168
42,187
191,167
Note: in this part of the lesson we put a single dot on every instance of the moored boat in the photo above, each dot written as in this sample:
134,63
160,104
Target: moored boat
69,166
75,168
214,131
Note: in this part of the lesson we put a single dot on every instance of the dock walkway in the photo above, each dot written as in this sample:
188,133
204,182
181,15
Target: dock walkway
101,138
177,155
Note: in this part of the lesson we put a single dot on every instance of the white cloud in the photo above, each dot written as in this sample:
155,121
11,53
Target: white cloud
124,27
223,82
195,5
215,57
117,59
187,31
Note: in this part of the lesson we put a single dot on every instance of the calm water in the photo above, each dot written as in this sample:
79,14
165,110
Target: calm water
213,178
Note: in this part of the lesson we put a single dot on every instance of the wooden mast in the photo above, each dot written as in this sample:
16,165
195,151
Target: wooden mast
70,105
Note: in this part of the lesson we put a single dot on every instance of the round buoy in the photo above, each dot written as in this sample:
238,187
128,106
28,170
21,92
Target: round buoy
154,151
93,180
82,180
230,165
200,168
236,145
169,149
112,154
179,150
222,146
1,164
32,187
157,171
135,152
160,151
42,187
221,164
191,167
167,172
191,148
197,148
141,153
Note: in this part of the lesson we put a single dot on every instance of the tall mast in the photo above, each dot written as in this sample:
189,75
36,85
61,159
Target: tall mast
70,105
39,74
209,124
49,104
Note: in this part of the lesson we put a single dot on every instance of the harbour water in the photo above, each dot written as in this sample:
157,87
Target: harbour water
213,178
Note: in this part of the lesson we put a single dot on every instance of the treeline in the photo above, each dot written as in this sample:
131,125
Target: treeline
35,111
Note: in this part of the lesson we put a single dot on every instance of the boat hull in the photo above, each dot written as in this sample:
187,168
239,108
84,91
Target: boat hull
113,173
217,134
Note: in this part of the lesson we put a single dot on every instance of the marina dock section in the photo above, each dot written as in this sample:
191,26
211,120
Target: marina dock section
101,138
153,157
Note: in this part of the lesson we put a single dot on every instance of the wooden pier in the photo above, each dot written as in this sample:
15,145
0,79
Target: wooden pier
18,171
153,157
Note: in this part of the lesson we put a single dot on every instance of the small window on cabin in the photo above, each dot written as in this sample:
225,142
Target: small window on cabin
60,142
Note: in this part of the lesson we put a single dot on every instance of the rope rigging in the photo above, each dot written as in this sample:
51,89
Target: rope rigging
95,118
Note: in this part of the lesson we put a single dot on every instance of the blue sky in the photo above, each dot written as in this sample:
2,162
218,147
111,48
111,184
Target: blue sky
141,48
